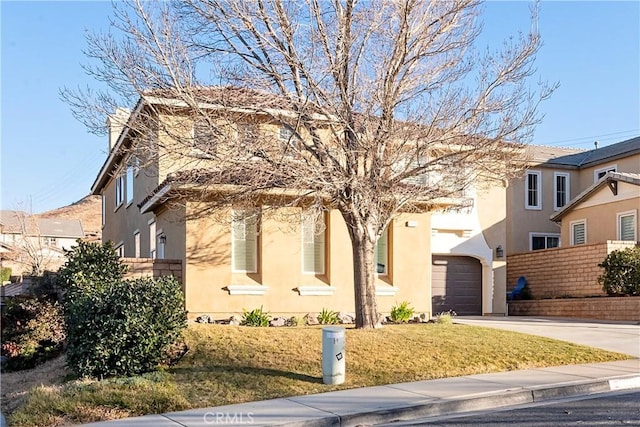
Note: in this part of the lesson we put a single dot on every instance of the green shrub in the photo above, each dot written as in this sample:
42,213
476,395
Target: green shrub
32,332
621,272
90,265
401,313
123,328
328,317
257,317
446,317
5,274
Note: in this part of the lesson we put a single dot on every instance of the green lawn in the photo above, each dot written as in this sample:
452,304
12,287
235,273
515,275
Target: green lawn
228,364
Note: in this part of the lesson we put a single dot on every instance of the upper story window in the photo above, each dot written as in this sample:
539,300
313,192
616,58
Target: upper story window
381,254
104,208
561,192
578,232
247,133
204,139
119,189
129,183
244,240
598,174
539,241
533,190
627,225
313,243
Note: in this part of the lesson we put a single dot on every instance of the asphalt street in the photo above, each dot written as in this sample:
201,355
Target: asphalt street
607,409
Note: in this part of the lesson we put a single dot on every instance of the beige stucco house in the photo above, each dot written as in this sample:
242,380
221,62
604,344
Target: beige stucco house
607,210
240,259
554,188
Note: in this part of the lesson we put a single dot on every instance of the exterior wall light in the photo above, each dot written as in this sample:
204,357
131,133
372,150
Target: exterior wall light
499,252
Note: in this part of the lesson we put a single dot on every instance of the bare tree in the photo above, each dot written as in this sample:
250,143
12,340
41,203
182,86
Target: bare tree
389,105
29,249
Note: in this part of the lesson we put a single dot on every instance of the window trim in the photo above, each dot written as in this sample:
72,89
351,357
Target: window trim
120,249
538,205
104,209
137,244
571,234
304,218
235,214
130,173
387,235
567,189
545,235
610,168
152,238
633,213
119,190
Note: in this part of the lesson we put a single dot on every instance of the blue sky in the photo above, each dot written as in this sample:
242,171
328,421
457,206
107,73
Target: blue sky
49,160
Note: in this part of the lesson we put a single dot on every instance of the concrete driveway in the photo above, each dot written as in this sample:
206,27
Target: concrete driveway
622,337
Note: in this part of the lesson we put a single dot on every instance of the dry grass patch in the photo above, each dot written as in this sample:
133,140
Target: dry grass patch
229,364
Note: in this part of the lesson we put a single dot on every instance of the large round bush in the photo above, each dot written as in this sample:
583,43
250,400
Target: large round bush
124,328
621,272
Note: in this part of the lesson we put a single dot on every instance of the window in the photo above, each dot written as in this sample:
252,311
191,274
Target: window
560,189
120,249
247,133
119,190
49,241
381,253
136,244
627,226
244,241
161,240
539,241
129,182
152,238
578,232
204,139
533,190
313,243
598,174
104,208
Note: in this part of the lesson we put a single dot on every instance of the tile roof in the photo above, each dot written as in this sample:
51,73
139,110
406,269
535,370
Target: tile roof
599,155
12,221
631,178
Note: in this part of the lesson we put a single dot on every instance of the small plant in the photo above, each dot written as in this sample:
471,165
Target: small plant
402,313
621,272
446,317
328,317
256,317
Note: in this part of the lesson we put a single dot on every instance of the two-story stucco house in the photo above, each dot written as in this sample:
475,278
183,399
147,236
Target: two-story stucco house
28,239
548,207
281,258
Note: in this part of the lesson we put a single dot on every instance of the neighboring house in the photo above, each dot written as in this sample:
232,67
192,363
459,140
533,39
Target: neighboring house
607,210
28,239
243,259
555,179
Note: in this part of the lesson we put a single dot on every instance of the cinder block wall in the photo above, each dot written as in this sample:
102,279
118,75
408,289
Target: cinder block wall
609,308
145,267
562,272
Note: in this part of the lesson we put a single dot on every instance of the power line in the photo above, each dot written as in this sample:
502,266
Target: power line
591,139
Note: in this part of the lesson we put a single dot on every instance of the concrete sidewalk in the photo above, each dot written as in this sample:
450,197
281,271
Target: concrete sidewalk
406,401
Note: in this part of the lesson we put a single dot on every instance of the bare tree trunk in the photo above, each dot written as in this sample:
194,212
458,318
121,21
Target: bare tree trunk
363,247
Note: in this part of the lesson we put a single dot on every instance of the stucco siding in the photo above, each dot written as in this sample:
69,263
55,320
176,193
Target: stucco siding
208,272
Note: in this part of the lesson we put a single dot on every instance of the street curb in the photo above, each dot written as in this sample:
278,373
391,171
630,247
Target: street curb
477,403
